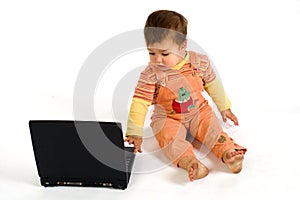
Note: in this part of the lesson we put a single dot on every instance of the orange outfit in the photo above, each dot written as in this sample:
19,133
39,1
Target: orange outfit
179,107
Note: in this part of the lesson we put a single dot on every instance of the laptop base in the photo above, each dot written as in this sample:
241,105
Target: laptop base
47,182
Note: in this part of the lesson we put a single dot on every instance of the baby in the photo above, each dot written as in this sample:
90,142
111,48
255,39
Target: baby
173,82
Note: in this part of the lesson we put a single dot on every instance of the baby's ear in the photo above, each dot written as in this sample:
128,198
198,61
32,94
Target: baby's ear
184,45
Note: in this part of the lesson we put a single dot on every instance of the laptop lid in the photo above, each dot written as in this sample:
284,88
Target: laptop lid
76,152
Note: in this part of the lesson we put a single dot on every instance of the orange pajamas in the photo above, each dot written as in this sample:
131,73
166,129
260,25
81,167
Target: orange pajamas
171,135
179,108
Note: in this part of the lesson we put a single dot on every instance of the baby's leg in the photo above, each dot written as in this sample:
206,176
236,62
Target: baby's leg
205,127
229,152
171,136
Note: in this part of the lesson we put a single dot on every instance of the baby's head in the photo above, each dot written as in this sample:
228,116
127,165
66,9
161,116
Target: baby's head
164,23
165,34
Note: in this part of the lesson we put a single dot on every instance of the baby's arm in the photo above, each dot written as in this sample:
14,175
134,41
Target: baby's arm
217,93
135,124
213,86
142,99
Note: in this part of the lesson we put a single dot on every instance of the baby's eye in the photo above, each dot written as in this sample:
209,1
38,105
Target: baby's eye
165,54
151,53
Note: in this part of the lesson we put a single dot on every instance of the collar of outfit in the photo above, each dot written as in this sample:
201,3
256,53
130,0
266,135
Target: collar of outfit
181,63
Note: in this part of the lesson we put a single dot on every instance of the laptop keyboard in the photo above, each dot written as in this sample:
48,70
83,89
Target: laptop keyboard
129,157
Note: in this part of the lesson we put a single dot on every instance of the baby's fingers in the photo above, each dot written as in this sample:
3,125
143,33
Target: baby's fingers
129,140
136,142
233,118
224,117
137,146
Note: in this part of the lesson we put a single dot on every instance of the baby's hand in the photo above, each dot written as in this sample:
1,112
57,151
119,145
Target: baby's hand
136,141
228,114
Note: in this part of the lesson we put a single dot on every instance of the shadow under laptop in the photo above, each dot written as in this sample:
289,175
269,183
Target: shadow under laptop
20,173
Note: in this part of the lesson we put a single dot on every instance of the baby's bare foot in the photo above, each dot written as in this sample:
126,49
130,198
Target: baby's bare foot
196,170
194,167
234,159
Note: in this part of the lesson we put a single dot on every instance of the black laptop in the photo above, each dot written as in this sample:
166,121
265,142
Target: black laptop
81,153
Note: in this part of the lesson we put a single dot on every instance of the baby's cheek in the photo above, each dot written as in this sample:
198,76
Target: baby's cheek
152,59
169,63
172,60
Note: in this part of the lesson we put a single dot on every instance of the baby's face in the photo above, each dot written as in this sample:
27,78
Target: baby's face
166,52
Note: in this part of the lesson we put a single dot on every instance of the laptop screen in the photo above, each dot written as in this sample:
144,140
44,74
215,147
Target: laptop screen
79,149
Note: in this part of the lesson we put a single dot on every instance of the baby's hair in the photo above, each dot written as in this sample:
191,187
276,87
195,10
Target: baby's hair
163,23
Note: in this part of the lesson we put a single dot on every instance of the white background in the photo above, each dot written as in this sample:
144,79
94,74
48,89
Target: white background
254,44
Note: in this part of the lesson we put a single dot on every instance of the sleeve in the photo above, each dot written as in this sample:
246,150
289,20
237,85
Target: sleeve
142,99
213,85
136,117
217,93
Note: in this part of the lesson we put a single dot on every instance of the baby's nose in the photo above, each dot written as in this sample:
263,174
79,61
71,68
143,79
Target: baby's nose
158,59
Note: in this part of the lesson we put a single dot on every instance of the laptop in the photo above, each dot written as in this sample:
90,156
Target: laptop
81,153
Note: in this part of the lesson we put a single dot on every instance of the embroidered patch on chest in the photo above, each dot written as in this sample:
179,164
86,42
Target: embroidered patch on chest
183,103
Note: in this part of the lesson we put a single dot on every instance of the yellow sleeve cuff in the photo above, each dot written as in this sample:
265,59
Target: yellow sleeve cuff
216,91
136,117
